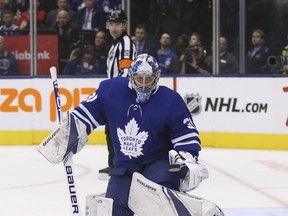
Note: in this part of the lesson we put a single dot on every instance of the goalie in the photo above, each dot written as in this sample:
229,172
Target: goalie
152,131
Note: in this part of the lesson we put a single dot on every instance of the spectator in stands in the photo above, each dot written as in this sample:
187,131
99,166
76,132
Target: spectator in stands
167,59
15,6
228,63
101,49
81,63
24,20
90,18
63,29
8,27
257,56
195,39
180,45
8,62
192,61
52,14
143,45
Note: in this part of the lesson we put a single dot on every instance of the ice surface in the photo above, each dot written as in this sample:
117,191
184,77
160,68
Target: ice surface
242,182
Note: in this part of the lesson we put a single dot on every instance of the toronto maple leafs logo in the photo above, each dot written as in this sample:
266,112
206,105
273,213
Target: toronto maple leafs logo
131,140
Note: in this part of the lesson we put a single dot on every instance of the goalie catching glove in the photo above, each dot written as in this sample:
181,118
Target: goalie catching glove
197,172
70,136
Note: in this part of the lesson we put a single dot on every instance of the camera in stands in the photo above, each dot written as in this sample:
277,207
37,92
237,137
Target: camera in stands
188,52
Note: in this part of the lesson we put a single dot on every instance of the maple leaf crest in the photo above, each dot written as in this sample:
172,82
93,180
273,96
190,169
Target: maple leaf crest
131,142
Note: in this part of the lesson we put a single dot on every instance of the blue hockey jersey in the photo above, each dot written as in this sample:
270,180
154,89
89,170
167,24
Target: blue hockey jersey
140,132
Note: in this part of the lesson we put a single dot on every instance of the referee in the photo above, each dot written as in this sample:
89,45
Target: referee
121,53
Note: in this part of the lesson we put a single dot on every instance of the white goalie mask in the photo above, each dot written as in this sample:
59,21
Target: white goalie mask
144,74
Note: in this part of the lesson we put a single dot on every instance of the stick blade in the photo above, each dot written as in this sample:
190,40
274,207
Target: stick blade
53,73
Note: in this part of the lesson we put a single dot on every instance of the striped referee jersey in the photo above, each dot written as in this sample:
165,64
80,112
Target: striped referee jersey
120,56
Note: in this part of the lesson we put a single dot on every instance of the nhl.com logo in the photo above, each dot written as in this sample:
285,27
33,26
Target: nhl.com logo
193,102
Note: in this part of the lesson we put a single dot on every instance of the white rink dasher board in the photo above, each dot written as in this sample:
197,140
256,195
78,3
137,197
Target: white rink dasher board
225,110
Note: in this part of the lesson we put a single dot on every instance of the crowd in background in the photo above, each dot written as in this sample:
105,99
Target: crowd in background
83,41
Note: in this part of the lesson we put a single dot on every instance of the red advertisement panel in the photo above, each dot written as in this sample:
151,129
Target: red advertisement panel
47,48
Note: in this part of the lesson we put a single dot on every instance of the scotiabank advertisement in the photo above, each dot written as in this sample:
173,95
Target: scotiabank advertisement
228,112
47,52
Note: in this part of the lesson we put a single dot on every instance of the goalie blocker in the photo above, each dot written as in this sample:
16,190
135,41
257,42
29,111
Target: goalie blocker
70,136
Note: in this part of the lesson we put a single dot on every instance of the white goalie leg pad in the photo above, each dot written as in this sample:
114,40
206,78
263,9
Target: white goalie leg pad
98,205
70,136
147,198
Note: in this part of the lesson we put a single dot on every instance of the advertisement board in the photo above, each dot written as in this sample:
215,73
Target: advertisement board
47,52
246,105
238,112
228,112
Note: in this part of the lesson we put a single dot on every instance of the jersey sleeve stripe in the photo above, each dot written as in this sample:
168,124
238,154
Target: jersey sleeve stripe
192,142
186,136
86,111
83,119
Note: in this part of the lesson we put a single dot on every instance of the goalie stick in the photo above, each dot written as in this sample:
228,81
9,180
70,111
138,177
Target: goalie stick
68,161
